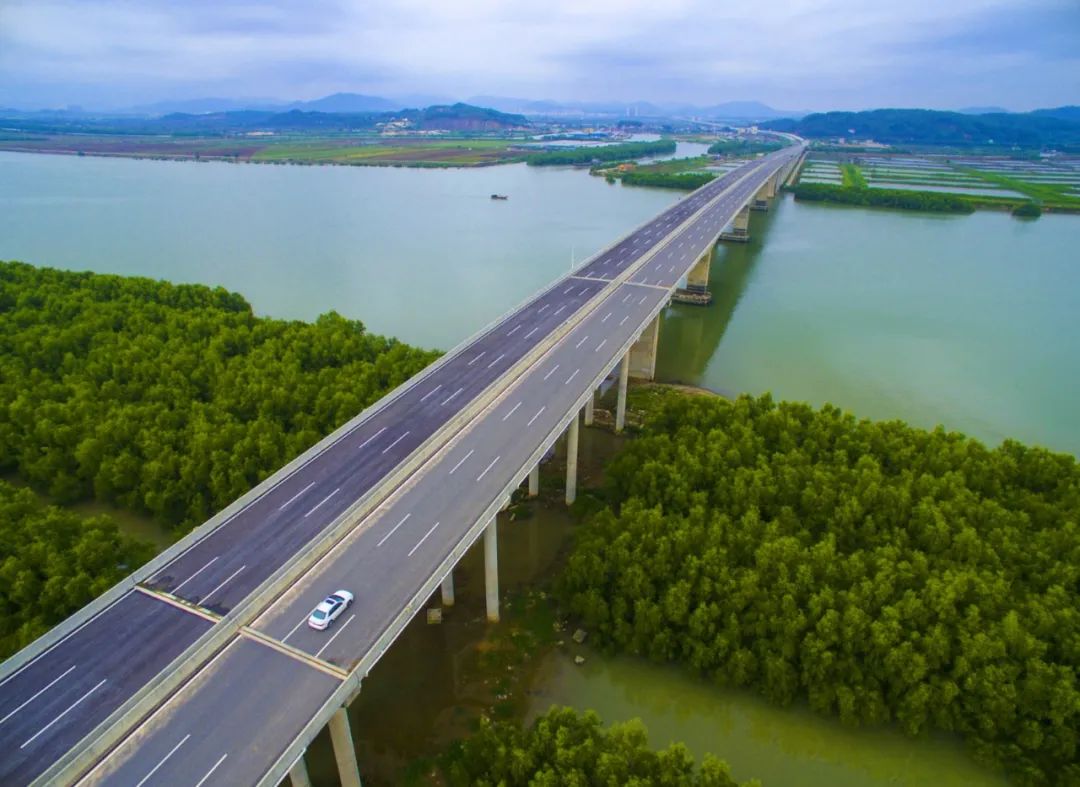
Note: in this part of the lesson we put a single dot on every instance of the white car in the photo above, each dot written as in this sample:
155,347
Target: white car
324,614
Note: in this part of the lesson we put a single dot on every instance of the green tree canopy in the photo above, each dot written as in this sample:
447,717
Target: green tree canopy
883,573
564,748
170,400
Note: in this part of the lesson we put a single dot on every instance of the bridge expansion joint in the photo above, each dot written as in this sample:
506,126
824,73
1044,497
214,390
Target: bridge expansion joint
179,603
294,653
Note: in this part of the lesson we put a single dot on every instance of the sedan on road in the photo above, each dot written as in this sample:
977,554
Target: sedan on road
329,609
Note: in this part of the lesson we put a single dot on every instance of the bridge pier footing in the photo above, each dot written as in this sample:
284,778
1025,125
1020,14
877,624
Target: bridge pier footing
491,569
571,460
298,774
620,407
448,589
534,480
344,750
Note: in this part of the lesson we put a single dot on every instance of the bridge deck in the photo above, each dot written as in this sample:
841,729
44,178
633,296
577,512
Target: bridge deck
389,555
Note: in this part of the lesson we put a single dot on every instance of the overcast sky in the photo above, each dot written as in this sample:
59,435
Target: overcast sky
791,54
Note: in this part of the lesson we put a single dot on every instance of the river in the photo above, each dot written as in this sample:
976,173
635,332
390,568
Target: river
966,321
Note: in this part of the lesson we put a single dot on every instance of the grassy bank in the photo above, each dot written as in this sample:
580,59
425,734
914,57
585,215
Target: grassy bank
303,149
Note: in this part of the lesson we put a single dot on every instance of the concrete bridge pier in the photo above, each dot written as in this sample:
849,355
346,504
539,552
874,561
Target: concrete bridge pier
491,569
448,589
697,280
534,480
344,751
761,199
571,460
740,227
620,407
589,404
643,352
298,774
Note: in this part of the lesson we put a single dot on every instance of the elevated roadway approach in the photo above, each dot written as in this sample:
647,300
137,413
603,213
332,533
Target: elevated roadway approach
198,668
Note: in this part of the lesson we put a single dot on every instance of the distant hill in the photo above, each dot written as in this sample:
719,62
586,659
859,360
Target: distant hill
931,127
202,106
456,117
731,110
982,111
348,103
1061,113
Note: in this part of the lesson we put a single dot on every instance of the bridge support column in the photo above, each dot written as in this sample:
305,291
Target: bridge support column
491,569
761,199
448,589
534,480
344,751
740,227
298,774
571,461
697,280
620,407
643,352
589,404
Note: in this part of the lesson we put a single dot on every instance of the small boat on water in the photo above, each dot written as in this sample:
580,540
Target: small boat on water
499,196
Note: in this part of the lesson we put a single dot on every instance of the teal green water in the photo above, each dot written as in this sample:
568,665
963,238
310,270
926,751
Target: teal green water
779,746
424,255
966,321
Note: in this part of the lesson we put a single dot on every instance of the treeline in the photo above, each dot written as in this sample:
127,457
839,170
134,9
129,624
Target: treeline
170,400
1058,128
625,151
52,562
564,747
742,147
882,198
687,181
881,572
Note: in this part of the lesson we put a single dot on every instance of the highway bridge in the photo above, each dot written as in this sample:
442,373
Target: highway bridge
198,670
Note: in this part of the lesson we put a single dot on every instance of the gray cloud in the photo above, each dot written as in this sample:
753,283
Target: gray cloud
789,53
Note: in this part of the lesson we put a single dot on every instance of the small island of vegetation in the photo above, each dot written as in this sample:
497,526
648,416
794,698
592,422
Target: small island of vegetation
626,151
